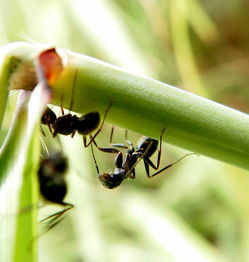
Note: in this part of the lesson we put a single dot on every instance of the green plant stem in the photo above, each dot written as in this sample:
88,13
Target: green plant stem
147,106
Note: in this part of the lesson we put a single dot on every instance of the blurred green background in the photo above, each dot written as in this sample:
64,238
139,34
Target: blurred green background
198,210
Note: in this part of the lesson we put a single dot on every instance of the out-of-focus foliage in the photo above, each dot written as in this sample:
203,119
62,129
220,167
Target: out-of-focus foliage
200,209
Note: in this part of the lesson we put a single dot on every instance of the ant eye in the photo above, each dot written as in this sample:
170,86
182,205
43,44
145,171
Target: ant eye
110,180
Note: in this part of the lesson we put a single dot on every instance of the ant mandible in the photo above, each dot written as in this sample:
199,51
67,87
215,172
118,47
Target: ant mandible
146,147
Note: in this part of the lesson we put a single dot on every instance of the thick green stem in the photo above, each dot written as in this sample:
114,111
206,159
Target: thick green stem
147,106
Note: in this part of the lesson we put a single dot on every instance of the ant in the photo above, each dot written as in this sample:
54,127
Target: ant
68,124
84,125
146,147
53,188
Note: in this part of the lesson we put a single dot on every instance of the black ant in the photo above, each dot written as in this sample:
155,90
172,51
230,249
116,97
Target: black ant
146,147
84,125
68,124
51,177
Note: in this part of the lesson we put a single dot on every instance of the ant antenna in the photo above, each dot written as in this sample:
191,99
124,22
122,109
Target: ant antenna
62,109
96,165
170,165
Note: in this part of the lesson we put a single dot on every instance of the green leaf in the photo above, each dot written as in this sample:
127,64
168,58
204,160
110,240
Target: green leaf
26,234
19,158
147,106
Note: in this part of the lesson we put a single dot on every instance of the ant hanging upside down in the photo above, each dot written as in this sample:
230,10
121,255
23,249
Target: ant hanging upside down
125,165
53,188
69,124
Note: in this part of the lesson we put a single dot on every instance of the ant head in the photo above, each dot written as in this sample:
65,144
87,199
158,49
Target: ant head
86,124
110,180
48,116
53,165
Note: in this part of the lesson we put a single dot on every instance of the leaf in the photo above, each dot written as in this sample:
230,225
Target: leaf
18,162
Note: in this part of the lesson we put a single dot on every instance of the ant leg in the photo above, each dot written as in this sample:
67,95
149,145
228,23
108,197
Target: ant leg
137,155
129,143
147,168
55,133
127,140
56,218
170,165
59,213
112,132
111,135
100,128
133,174
84,141
53,224
159,151
50,129
120,146
106,149
94,159
62,109
148,162
72,135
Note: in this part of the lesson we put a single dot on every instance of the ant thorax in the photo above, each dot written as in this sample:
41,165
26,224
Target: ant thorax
65,124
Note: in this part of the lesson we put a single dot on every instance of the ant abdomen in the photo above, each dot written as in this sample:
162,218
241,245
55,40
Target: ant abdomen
149,144
87,123
53,190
